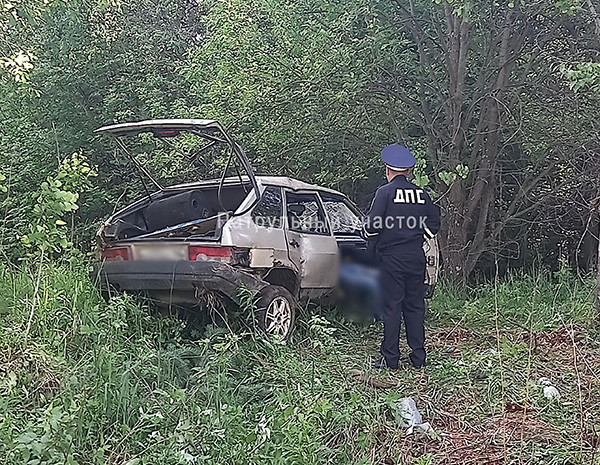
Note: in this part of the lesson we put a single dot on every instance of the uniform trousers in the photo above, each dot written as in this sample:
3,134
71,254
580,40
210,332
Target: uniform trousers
403,291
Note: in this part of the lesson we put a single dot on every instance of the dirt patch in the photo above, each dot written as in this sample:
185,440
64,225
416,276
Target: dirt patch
490,443
468,435
544,341
556,342
452,337
497,438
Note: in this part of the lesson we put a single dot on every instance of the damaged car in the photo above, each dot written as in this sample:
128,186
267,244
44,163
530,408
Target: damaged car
280,238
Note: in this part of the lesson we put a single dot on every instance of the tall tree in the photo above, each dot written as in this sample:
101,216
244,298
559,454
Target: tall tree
486,77
95,63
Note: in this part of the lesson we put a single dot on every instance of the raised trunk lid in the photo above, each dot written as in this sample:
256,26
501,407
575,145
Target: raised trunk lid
210,130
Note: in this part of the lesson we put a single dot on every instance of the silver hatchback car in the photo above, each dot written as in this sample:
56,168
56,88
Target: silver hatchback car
281,238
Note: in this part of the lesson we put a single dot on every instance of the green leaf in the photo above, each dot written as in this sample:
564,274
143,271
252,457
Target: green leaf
421,179
447,177
462,171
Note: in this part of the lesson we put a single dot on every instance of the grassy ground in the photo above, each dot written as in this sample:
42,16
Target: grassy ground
90,383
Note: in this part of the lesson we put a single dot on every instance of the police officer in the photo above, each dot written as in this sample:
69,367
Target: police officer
401,215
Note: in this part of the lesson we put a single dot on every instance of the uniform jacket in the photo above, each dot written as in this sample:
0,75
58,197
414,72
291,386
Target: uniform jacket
402,214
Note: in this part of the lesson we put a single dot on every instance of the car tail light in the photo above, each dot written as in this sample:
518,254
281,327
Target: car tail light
115,254
200,252
166,132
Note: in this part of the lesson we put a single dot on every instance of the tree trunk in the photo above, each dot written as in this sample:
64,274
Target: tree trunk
595,219
598,280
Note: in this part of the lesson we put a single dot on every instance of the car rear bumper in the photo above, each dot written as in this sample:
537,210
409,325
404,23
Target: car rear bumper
173,276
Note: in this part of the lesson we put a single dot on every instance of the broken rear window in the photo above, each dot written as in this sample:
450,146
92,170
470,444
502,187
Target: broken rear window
269,209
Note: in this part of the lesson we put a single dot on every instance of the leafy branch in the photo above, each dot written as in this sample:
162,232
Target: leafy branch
58,196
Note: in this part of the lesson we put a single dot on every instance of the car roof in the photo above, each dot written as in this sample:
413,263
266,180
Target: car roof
293,184
281,181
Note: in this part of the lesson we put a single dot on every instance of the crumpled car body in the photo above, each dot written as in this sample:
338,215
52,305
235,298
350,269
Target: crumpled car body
280,238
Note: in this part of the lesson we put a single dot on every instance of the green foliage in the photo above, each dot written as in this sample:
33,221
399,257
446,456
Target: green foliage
568,7
541,300
18,66
3,188
420,178
301,106
58,196
426,459
583,76
321,331
49,441
462,171
310,90
447,177
247,299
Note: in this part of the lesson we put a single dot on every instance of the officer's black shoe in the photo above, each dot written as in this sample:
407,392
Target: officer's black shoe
418,366
381,364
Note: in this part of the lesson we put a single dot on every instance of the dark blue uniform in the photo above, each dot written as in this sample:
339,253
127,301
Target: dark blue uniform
401,215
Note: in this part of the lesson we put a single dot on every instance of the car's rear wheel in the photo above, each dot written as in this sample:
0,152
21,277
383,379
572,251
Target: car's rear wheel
276,311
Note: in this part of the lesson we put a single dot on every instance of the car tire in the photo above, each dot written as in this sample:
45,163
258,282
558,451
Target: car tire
276,311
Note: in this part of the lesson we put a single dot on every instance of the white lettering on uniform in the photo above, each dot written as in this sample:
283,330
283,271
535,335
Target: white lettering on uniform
411,222
399,196
409,196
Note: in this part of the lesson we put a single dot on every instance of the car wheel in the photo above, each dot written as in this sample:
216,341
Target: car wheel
276,311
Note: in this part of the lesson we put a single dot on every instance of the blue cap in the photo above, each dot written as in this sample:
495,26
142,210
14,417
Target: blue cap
398,157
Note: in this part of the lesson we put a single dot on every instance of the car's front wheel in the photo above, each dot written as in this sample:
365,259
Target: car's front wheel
276,311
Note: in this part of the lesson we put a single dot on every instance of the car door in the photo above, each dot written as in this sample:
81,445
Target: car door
311,245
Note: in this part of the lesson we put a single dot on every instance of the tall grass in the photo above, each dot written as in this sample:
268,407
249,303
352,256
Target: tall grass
554,297
112,383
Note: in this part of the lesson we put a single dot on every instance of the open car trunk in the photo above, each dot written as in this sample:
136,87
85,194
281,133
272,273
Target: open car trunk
197,210
179,212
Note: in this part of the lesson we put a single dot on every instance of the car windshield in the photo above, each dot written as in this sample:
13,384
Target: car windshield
341,218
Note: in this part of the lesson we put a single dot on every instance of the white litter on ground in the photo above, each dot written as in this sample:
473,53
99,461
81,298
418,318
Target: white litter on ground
409,417
550,392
